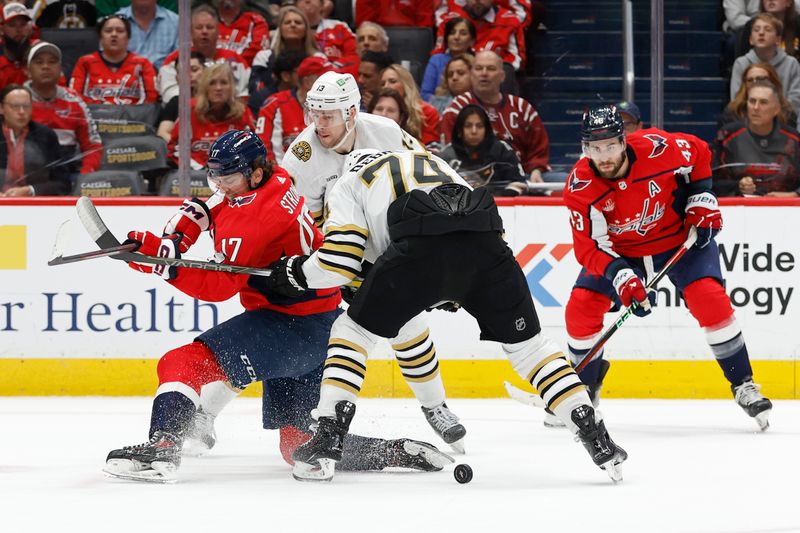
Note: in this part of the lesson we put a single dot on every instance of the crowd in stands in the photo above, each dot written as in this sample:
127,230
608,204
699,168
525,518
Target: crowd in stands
252,63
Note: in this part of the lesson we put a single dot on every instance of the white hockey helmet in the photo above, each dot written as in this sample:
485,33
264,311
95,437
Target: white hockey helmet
333,91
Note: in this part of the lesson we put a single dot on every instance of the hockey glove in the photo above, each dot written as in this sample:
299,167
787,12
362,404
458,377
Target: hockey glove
702,212
193,218
149,244
630,288
287,277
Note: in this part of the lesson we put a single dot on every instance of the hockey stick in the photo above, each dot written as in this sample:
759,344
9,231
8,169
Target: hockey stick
106,252
528,398
690,240
106,240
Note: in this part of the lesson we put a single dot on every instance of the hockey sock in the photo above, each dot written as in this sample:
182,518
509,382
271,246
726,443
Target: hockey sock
591,372
416,356
216,395
291,438
172,412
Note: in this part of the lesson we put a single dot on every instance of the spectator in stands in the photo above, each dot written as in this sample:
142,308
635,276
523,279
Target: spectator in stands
154,30
113,75
392,13
391,104
215,110
514,120
398,78
17,31
759,156
765,38
334,37
243,32
283,117
369,74
497,29
26,150
739,12
736,110
62,110
107,7
483,160
460,37
204,40
64,14
284,77
530,13
456,81
631,116
169,112
783,10
371,36
293,33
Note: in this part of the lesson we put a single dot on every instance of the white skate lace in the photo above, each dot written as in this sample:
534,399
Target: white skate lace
747,393
442,418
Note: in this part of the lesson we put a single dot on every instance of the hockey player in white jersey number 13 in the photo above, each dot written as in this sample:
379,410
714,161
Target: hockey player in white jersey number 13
315,160
434,243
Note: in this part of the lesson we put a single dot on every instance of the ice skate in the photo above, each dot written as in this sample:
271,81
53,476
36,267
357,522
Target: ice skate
551,420
748,396
316,459
595,438
156,460
417,455
446,425
200,437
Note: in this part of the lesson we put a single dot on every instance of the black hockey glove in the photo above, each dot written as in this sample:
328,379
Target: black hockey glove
287,276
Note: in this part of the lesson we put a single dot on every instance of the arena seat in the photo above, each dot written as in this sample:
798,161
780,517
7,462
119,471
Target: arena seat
114,121
410,43
104,183
198,185
138,153
73,43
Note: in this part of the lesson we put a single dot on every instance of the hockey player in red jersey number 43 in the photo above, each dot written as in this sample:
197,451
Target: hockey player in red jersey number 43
254,218
632,200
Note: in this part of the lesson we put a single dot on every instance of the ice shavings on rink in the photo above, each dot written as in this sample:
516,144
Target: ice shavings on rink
695,466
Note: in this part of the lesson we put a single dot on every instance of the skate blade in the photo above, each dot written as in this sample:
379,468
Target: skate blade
613,470
458,446
762,419
434,456
134,471
323,470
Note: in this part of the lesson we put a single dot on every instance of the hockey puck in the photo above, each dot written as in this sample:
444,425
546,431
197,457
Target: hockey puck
463,473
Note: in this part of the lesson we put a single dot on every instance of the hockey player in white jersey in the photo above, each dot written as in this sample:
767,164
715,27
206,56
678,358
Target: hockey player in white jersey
315,160
435,243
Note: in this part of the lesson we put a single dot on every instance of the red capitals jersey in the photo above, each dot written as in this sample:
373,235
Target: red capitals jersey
515,121
254,230
280,120
395,12
134,82
68,116
499,30
520,8
247,35
641,213
338,43
204,134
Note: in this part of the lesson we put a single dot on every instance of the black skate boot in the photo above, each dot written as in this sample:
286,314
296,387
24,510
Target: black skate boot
552,421
316,459
156,460
445,423
594,437
749,398
417,455
200,437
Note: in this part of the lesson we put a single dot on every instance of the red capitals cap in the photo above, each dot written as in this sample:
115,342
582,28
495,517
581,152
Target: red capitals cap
314,66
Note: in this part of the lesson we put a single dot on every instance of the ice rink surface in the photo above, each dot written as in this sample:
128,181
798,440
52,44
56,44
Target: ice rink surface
694,466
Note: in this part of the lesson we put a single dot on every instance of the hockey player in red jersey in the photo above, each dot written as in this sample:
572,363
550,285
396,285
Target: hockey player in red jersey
631,201
255,217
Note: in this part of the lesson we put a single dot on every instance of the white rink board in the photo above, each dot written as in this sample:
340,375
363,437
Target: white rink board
89,309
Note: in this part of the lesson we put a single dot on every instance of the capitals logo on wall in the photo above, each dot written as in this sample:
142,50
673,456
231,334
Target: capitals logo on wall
537,261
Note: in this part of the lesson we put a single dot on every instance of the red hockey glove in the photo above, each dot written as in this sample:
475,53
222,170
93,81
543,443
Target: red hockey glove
630,288
150,244
702,212
193,218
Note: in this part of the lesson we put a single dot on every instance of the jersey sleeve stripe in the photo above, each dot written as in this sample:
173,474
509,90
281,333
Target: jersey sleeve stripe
342,270
348,229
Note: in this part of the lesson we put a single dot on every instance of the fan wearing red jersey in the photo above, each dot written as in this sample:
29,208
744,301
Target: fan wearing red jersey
256,216
114,75
334,37
243,32
632,200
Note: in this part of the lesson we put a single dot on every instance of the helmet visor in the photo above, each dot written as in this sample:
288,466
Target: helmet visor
225,180
327,118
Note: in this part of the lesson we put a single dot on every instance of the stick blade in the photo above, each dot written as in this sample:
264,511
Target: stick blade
63,237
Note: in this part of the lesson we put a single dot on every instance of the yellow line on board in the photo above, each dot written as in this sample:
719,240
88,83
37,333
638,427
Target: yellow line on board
462,379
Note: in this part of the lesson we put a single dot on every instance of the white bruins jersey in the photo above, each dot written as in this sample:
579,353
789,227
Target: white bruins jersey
315,168
356,228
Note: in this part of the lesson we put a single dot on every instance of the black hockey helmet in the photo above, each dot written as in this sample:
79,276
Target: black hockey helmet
601,122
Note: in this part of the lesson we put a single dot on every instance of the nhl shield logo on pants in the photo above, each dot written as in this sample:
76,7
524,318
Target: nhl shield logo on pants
519,323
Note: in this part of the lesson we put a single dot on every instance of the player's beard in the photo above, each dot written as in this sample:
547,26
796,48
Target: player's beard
611,174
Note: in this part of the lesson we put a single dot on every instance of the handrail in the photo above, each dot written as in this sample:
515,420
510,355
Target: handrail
627,32
657,63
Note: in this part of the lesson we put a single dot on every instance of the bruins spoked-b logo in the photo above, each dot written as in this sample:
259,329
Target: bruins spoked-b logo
302,151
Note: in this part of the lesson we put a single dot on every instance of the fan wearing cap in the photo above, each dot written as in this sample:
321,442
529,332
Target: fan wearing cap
631,116
281,119
62,110
17,31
